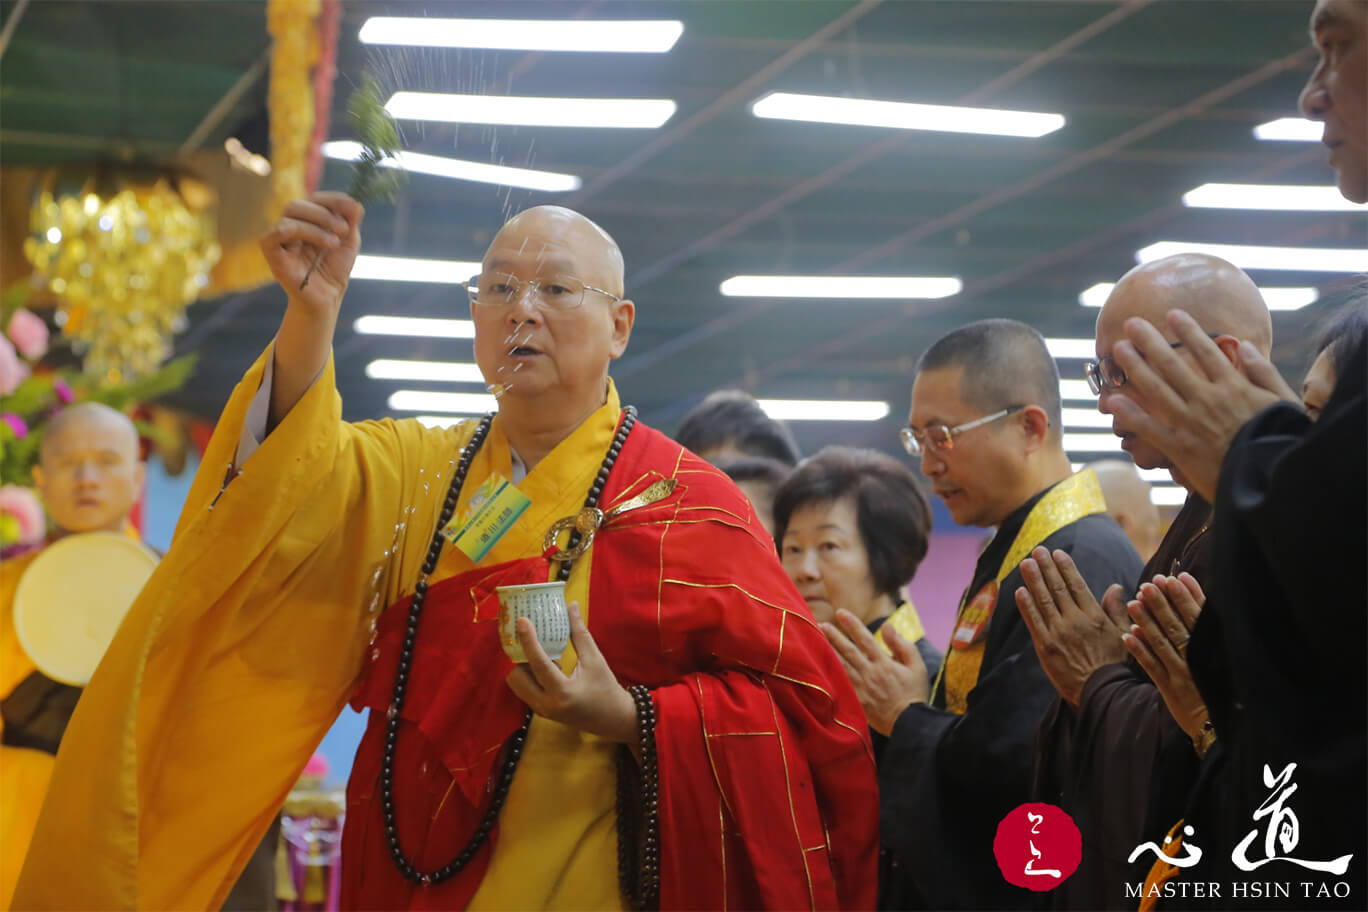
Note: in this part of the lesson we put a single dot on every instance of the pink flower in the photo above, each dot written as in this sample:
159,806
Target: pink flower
63,391
16,424
317,767
29,334
22,506
12,371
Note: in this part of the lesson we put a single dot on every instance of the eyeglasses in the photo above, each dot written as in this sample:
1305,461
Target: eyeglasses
942,438
496,289
1105,374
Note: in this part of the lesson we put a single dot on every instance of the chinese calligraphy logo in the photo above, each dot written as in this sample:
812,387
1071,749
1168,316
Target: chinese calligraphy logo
1037,846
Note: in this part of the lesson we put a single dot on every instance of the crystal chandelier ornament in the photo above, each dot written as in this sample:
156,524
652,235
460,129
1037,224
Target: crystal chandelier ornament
125,251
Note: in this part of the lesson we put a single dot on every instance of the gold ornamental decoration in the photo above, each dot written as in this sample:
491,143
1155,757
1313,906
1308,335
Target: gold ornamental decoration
124,252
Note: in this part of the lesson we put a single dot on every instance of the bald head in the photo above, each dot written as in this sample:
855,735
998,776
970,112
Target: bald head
1219,296
88,471
1129,503
86,418
555,231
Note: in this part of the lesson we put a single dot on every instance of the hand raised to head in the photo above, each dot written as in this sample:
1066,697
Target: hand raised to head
1192,413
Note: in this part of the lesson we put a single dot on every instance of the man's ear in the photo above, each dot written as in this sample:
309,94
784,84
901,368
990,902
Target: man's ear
1230,347
624,316
1036,423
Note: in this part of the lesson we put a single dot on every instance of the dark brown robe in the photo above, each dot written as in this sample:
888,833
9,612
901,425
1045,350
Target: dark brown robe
1119,764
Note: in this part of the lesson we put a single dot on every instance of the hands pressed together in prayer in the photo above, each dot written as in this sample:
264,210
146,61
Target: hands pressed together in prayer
589,698
1192,415
886,684
1164,614
1073,635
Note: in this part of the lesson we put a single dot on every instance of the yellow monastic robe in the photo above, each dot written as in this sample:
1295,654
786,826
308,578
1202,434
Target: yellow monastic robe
24,773
245,644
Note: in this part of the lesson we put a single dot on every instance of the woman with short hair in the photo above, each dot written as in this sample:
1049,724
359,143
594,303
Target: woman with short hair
852,527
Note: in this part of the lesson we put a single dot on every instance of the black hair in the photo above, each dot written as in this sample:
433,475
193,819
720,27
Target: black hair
734,417
1005,363
1347,330
891,510
758,468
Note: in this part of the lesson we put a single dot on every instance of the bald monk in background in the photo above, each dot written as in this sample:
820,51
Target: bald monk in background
88,476
1110,752
1129,503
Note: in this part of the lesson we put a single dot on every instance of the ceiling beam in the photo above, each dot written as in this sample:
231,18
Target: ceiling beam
757,214
724,101
1085,245
978,289
11,24
225,104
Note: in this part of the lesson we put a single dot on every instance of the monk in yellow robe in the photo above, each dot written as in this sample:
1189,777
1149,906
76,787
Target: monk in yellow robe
89,476
697,746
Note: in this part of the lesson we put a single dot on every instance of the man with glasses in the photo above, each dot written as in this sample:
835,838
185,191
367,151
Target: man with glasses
644,769
985,426
1112,752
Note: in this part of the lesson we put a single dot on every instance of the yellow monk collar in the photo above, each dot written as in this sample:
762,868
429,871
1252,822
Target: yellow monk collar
589,441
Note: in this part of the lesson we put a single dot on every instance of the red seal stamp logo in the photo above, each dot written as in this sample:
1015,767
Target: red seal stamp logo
1037,847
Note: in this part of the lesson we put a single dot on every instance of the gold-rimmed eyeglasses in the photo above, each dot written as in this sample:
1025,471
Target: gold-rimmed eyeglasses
560,292
941,438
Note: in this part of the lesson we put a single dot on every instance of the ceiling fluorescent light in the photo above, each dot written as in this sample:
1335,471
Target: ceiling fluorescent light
824,409
405,269
645,36
1303,259
1076,389
1154,476
442,421
1071,348
378,325
1086,418
639,113
440,371
454,403
1092,443
1096,295
1274,298
840,287
868,112
1168,496
1289,129
1272,197
480,172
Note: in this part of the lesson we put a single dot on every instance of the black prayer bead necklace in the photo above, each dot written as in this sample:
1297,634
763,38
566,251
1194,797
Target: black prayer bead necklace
514,747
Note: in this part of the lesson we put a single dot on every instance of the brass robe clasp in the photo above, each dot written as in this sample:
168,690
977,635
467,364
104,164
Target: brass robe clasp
589,520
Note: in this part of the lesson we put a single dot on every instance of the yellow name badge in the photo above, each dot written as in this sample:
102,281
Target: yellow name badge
493,510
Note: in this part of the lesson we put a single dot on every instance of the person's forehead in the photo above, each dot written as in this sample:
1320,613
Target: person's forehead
1329,13
542,241
89,436
937,396
828,511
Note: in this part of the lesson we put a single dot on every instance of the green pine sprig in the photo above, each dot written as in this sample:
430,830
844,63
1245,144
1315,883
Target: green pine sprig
379,137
